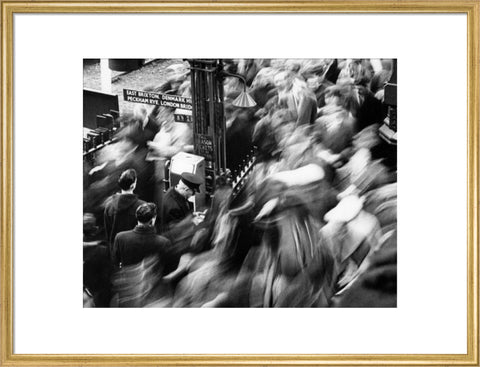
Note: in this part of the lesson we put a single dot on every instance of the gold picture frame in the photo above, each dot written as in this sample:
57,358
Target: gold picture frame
9,8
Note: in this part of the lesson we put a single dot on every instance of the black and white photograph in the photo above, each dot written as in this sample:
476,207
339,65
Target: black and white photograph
243,183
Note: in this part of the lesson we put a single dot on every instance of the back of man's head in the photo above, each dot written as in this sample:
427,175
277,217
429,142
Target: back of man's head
146,212
127,179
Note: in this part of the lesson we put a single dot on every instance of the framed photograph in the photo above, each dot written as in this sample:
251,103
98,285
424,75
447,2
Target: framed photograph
253,183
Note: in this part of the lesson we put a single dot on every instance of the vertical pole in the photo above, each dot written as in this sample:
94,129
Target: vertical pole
211,118
106,76
220,115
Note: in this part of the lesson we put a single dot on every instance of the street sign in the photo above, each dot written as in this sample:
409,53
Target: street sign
182,118
158,99
182,115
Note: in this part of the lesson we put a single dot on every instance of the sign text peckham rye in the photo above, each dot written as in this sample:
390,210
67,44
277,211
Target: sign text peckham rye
158,99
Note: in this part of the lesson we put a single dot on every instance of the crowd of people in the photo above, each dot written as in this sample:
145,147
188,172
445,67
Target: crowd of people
314,225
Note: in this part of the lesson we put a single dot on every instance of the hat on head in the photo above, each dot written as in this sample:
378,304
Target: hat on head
192,181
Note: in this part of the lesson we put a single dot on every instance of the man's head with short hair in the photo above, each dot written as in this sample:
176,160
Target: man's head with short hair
128,180
146,213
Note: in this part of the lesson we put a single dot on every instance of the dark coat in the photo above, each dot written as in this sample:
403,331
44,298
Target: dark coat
307,109
119,214
131,247
97,271
371,111
175,208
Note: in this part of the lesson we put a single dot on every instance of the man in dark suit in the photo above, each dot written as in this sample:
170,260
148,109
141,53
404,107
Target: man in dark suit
175,203
120,208
140,256
131,247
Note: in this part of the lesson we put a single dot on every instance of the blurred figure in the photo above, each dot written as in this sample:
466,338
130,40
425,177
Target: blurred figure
173,137
153,116
263,88
293,267
209,279
335,127
382,203
296,149
120,208
175,77
353,235
136,285
383,73
169,137
103,174
296,98
175,205
377,285
361,102
96,264
318,86
362,174
127,152
332,70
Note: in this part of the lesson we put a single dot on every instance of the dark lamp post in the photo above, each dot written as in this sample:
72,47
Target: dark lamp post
209,130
